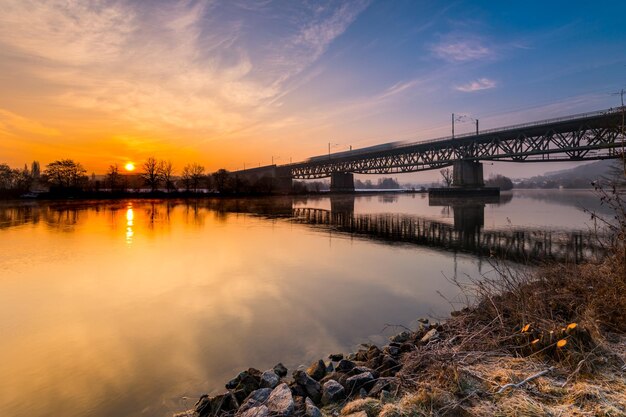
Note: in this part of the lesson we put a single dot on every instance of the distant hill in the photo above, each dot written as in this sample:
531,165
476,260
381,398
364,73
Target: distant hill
590,171
578,177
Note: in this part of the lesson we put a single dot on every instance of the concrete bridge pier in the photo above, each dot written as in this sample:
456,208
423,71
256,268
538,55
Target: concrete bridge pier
282,181
467,174
342,182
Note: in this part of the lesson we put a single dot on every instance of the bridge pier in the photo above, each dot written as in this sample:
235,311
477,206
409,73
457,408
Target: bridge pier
467,174
342,182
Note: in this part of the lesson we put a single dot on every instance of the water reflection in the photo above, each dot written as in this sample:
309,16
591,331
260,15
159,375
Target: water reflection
140,303
129,223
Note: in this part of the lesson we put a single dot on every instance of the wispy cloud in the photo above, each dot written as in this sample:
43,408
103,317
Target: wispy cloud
183,65
480,84
13,124
461,50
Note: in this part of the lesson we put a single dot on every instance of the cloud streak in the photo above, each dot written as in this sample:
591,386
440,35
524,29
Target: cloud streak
461,50
478,85
183,65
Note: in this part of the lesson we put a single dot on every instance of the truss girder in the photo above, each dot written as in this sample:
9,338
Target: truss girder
599,138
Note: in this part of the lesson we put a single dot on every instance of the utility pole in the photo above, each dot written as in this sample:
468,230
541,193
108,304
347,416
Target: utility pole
623,132
452,125
476,126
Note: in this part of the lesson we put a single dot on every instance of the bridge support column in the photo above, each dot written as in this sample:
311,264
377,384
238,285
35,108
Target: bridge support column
467,174
282,181
342,182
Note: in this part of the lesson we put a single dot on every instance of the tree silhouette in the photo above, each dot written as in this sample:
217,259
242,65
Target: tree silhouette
167,174
152,173
447,175
65,173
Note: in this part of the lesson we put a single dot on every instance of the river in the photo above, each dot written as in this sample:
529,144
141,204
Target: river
137,307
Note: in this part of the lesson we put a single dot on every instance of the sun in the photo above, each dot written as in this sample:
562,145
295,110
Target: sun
129,166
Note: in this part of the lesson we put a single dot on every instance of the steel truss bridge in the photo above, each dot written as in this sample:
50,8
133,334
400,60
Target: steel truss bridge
581,137
514,245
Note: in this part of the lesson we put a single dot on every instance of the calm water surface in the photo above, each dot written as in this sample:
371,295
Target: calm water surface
135,308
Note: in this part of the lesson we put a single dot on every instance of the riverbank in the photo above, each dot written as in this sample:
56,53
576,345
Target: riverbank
547,342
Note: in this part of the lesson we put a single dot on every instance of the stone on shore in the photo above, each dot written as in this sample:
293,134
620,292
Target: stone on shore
332,392
362,380
430,335
310,386
401,337
280,370
260,411
335,357
317,370
255,399
344,365
281,401
269,379
310,409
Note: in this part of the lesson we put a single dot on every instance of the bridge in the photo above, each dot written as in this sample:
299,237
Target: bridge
580,137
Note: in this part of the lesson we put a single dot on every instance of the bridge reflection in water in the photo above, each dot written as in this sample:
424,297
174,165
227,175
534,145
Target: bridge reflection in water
466,234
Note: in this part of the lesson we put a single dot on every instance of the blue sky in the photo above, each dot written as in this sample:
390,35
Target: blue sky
225,83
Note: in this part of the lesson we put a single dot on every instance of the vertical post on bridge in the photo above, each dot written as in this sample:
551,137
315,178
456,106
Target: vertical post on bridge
452,125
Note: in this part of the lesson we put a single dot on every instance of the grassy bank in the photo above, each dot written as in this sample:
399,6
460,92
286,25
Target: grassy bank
550,342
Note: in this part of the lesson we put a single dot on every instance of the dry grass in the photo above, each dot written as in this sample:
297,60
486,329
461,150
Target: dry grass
566,318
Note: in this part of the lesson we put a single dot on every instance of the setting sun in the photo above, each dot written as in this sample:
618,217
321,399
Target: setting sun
129,166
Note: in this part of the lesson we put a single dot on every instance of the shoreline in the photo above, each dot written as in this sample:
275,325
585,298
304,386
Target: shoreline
547,342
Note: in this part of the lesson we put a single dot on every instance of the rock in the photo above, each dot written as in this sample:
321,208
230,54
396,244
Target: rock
280,401
247,381
317,370
269,379
311,386
383,384
373,352
345,365
401,337
361,355
330,368
310,409
351,357
391,350
255,399
430,335
202,404
336,357
332,392
280,370
362,393
389,366
362,369
208,406
423,320
363,380
260,411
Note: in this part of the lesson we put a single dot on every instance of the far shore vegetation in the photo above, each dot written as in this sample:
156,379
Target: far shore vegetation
159,178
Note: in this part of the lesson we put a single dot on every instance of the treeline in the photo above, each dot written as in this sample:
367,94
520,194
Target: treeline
67,177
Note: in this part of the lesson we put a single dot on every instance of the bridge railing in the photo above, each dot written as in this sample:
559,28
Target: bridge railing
393,145
519,126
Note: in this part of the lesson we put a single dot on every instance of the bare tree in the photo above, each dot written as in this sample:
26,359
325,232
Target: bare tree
167,174
192,175
113,178
152,173
447,175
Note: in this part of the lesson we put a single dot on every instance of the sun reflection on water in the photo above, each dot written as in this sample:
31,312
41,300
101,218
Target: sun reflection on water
129,223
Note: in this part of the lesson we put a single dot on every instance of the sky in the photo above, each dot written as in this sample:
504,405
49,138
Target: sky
236,83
